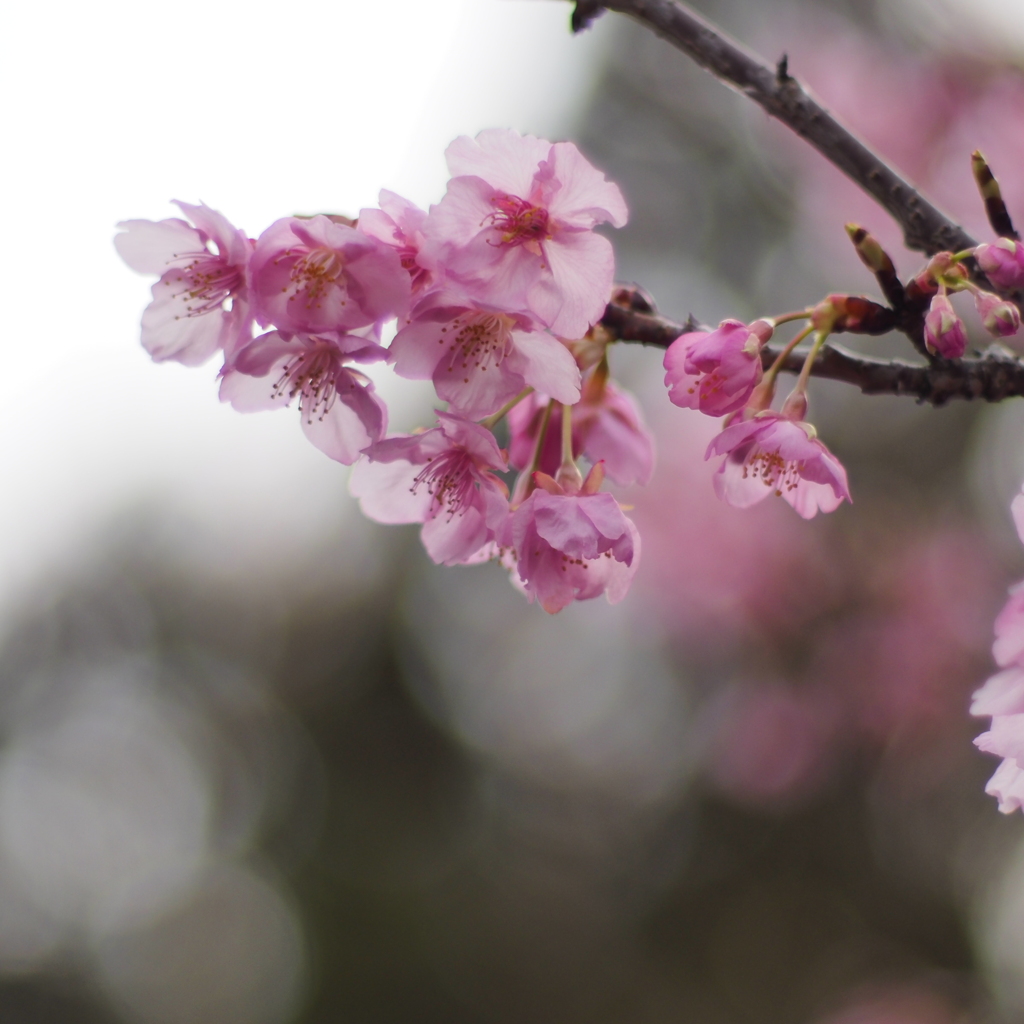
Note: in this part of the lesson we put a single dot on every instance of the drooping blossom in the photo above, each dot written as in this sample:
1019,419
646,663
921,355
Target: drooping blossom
480,358
188,319
1002,696
1002,261
443,478
571,546
716,371
606,427
340,412
944,331
773,454
313,275
515,228
1000,317
399,223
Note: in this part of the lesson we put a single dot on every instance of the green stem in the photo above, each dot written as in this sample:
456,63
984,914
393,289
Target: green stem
490,421
773,371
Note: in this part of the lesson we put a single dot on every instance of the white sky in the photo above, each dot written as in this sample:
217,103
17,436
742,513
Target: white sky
260,109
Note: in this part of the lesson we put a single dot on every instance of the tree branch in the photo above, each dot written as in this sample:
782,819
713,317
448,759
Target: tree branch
992,377
925,227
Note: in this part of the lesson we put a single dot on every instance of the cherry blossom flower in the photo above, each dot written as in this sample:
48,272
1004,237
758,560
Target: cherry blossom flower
1003,262
340,413
399,223
716,371
571,547
607,427
187,321
515,228
944,331
443,478
773,454
480,358
312,274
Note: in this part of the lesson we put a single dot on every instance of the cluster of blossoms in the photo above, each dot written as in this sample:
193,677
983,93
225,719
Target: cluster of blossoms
494,294
765,452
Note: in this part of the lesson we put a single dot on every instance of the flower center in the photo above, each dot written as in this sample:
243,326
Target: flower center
316,272
449,480
775,471
476,341
206,282
312,374
518,221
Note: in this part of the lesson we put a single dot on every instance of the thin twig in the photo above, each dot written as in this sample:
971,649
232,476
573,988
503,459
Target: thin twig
925,227
992,377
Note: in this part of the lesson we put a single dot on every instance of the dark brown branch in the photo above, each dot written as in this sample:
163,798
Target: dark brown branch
992,377
925,228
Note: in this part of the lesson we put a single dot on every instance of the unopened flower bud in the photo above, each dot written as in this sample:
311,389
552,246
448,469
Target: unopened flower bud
944,331
1002,262
1000,317
873,256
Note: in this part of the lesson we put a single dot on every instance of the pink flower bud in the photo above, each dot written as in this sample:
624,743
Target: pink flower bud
1003,262
1000,317
944,331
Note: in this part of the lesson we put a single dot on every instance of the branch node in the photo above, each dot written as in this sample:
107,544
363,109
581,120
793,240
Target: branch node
782,70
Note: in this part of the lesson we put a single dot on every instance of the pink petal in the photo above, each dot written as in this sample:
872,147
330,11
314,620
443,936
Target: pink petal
149,246
456,539
230,241
355,420
1002,694
1007,785
506,160
548,366
585,197
385,491
168,332
582,265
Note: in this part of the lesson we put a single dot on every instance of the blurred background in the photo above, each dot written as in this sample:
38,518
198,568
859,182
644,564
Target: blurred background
261,762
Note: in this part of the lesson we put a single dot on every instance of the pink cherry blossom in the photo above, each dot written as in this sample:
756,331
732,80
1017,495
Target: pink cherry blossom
1003,262
187,320
1002,696
443,478
479,358
607,427
515,228
944,331
340,413
400,224
772,454
716,371
571,547
312,274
